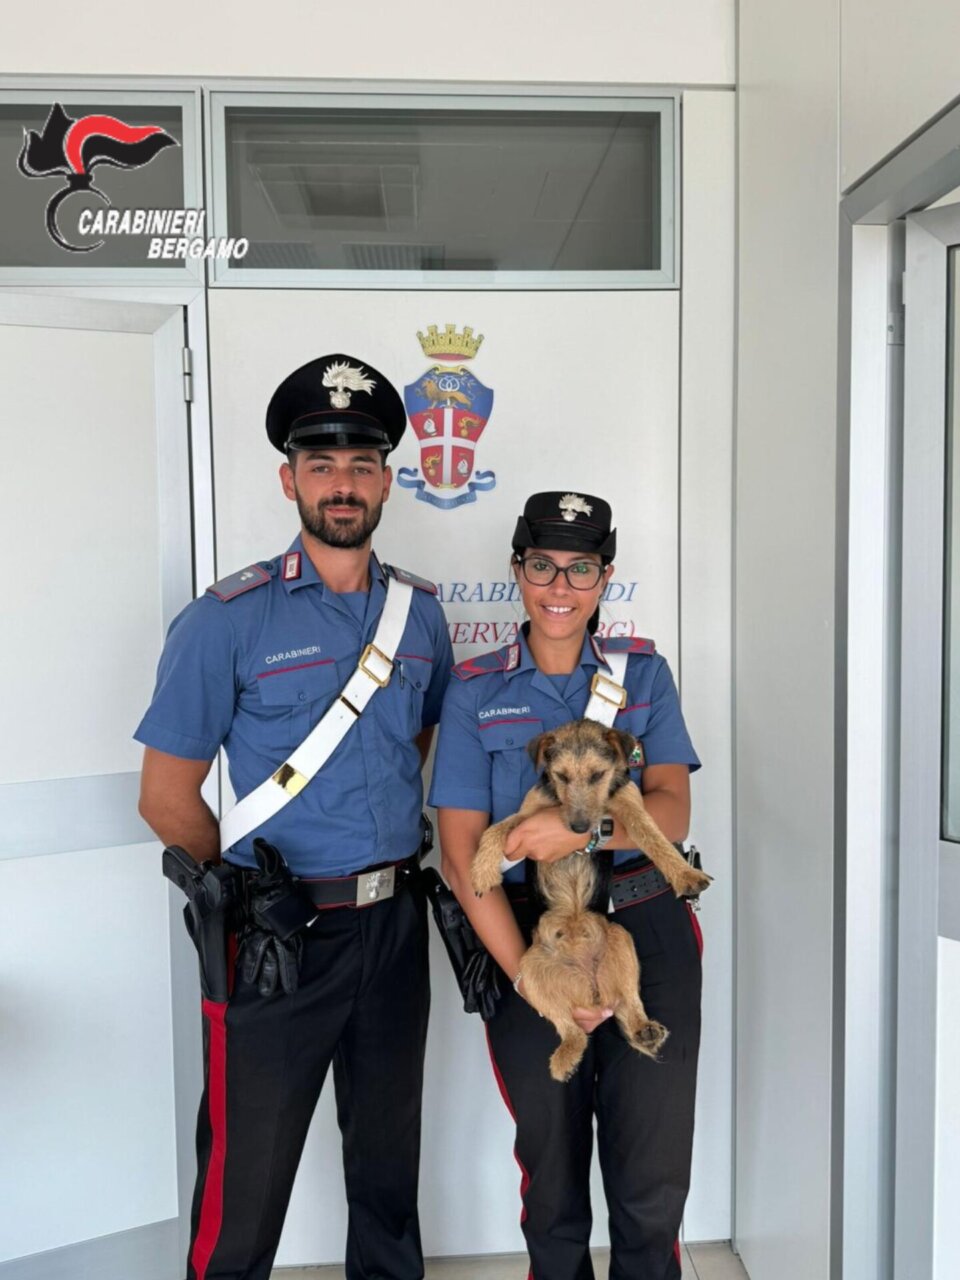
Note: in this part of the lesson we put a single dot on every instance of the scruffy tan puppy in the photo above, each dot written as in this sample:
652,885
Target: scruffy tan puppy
577,957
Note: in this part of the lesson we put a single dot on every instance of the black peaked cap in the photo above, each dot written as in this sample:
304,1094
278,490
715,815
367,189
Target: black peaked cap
337,402
566,521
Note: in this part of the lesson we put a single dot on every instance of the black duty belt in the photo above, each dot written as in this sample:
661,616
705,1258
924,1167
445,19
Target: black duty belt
630,887
365,888
627,888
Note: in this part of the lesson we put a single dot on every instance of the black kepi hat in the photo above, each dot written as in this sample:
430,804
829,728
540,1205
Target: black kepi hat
566,522
335,402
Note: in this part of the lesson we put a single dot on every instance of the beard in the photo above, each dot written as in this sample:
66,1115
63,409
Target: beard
344,532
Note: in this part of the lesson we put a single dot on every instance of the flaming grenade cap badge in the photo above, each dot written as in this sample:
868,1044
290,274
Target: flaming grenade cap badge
344,379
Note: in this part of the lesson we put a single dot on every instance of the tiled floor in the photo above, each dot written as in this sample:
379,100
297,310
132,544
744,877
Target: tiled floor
700,1262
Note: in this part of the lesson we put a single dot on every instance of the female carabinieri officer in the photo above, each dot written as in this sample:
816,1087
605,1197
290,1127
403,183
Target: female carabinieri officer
495,704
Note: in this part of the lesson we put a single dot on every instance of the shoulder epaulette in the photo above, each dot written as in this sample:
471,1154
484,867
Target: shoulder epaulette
627,644
411,579
235,584
484,664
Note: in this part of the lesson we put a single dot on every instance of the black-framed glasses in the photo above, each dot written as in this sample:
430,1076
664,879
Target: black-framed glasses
582,575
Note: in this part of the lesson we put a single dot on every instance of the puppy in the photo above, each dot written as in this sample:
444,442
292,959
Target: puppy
577,958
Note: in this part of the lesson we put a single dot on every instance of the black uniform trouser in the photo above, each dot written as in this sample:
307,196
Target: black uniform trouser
362,1003
644,1112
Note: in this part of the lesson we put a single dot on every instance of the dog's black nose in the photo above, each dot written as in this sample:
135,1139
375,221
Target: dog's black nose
579,827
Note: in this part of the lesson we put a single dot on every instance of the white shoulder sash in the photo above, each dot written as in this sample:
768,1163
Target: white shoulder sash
373,672
607,692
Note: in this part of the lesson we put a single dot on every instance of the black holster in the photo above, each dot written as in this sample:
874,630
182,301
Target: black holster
473,967
211,914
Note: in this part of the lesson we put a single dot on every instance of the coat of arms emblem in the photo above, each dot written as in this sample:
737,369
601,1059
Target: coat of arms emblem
448,408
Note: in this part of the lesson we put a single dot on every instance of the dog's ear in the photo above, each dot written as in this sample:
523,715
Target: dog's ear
538,748
621,742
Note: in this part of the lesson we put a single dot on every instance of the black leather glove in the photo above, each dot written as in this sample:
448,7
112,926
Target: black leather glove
268,961
480,986
278,910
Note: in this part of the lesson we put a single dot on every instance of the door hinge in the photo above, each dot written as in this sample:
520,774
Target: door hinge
188,375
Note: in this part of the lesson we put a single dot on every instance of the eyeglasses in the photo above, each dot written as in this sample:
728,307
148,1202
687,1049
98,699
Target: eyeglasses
582,575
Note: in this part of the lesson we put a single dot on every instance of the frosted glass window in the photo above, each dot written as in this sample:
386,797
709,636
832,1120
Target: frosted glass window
448,190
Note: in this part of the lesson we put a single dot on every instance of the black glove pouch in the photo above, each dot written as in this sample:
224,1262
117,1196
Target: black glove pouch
277,911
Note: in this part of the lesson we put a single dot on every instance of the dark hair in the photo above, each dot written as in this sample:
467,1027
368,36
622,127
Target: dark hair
594,621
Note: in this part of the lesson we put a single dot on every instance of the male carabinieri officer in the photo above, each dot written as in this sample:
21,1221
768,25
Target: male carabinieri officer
321,672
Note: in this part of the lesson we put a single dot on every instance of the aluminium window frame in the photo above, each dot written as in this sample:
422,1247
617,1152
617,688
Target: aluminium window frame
665,103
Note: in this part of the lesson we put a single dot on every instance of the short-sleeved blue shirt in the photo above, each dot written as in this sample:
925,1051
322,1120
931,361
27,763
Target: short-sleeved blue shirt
255,672
497,703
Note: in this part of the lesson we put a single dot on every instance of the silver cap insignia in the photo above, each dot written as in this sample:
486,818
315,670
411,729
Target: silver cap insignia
344,379
571,504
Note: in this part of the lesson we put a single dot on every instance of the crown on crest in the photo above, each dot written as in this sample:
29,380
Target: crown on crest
449,344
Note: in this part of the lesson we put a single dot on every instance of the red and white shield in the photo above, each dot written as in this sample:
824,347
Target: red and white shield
448,437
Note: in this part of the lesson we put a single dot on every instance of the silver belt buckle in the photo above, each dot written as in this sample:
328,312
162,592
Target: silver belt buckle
375,886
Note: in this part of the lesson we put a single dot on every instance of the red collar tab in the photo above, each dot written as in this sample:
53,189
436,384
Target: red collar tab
291,566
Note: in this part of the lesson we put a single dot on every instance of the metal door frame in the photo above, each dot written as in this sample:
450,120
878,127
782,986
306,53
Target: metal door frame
923,855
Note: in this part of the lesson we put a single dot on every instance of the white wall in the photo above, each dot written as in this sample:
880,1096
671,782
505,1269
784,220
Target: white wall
706,611
898,68
784,621
947,1192
687,42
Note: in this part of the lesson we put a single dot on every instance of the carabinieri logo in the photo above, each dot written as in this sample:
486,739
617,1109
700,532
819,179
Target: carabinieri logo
72,149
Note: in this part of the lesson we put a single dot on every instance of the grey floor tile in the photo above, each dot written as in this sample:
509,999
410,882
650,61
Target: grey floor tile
716,1261
500,1267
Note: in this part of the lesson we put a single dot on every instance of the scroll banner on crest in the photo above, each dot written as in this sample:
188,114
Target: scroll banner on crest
407,479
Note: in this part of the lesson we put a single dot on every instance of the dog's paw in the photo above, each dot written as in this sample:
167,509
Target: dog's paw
484,877
649,1038
691,882
564,1062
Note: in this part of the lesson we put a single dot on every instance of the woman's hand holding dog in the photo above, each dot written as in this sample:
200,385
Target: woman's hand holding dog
586,1019
589,1019
544,837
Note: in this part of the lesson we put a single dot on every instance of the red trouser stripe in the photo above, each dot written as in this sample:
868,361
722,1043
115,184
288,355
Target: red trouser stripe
524,1176
211,1208
697,931
698,934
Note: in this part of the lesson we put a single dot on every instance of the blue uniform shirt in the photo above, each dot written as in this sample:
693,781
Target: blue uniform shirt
495,704
254,673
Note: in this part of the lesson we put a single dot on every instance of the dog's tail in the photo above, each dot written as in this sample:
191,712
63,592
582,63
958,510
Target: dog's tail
569,884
